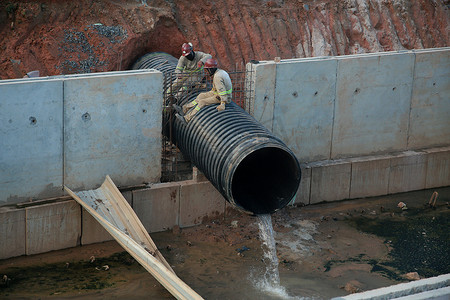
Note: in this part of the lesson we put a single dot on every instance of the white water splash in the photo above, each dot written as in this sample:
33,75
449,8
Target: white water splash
269,283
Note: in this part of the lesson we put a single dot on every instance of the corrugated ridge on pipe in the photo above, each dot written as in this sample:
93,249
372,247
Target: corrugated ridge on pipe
254,171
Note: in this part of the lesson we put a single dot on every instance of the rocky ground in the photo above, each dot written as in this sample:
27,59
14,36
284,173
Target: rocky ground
65,37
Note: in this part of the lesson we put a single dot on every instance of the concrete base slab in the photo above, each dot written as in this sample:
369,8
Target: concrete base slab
92,231
304,189
438,167
197,201
330,181
408,172
12,230
158,207
52,227
370,177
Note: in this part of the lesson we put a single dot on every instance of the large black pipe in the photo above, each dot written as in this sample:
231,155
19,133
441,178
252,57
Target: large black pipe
248,165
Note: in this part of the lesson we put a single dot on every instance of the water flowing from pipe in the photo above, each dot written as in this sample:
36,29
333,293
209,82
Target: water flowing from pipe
269,283
271,276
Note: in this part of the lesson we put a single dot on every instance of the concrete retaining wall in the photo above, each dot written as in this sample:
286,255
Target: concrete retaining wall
357,105
52,226
162,206
350,178
73,130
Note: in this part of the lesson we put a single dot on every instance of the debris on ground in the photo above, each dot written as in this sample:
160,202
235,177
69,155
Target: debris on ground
353,287
412,276
402,205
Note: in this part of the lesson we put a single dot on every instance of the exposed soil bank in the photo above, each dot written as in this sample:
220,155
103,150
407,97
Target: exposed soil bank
65,37
324,250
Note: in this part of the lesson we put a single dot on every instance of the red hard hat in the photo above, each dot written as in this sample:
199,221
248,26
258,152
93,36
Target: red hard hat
186,49
210,63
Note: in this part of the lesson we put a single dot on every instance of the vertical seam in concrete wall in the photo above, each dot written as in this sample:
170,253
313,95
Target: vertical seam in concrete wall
389,176
426,169
274,93
350,180
334,110
63,136
310,187
413,78
250,106
26,230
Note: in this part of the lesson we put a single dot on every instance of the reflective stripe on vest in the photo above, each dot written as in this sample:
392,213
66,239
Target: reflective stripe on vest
224,92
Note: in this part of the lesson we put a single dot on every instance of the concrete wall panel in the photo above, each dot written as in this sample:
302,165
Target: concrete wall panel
197,201
53,226
112,126
264,76
92,231
330,181
372,104
31,134
304,189
12,233
430,101
370,177
304,104
438,167
158,207
408,172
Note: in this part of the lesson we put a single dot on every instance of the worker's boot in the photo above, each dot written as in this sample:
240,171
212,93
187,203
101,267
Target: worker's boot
181,118
178,109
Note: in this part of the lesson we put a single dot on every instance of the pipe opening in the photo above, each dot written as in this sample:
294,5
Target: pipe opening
266,180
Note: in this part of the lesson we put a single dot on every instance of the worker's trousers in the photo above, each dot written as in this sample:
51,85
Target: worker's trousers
202,100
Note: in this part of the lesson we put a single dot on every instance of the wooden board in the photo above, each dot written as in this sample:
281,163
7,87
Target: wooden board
108,206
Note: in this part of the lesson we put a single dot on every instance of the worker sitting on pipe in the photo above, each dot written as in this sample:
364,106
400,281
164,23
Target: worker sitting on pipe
189,70
220,93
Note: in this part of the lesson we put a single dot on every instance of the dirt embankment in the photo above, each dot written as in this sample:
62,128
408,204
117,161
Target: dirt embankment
65,37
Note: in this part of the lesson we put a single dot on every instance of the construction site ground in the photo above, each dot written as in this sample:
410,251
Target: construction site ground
324,250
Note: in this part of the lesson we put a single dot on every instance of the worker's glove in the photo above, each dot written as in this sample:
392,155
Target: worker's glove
200,64
221,106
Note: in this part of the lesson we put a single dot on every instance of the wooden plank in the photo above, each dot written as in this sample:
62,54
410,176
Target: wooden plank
107,205
134,220
105,200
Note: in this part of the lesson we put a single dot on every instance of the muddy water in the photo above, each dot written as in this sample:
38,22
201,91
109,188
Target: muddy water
323,251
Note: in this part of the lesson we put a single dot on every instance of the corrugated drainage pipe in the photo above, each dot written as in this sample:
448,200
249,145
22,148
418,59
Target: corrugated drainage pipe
248,165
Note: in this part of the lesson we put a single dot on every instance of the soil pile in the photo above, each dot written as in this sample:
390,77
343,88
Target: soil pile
66,37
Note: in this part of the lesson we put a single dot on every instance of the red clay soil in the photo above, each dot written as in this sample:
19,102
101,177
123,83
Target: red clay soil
66,37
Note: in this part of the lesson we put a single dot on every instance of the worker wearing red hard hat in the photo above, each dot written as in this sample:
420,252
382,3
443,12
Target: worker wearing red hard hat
220,93
189,70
